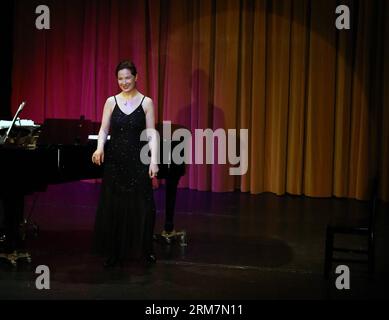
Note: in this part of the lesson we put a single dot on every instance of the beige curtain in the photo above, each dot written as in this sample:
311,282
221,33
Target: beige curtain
312,96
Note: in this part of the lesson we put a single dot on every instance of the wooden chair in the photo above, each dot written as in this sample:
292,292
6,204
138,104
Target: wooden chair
366,231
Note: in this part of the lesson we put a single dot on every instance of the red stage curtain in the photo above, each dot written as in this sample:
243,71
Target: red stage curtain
315,99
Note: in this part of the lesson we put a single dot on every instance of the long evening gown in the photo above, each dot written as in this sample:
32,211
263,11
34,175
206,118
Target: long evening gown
125,215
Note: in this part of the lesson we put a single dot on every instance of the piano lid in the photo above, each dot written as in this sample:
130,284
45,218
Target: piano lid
66,131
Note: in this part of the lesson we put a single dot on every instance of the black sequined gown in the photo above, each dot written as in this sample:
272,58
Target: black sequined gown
125,215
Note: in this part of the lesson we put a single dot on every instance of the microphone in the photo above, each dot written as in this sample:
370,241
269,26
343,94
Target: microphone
21,107
4,139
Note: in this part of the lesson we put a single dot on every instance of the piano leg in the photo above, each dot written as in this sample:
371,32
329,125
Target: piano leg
169,234
13,217
13,211
2,228
171,194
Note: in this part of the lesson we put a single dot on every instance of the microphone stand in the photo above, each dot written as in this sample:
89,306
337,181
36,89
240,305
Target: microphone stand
5,137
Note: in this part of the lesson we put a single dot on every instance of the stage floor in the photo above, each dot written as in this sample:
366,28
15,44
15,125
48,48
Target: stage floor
240,246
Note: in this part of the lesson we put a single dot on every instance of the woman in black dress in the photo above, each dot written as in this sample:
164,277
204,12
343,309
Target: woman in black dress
125,215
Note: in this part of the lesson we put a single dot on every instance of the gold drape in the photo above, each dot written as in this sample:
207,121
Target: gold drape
312,96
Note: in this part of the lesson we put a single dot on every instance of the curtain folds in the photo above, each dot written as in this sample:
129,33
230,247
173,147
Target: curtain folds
314,98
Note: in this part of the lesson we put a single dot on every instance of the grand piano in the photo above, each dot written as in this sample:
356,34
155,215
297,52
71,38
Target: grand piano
58,151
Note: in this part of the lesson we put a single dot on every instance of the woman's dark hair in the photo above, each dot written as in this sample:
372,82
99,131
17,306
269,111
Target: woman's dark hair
126,64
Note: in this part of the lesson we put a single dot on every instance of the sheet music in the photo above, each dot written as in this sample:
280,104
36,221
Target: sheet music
19,122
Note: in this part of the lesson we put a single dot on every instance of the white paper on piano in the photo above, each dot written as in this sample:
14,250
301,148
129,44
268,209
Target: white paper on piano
18,123
95,137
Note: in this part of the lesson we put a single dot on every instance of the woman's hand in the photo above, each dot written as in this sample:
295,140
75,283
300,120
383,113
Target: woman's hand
98,157
153,170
